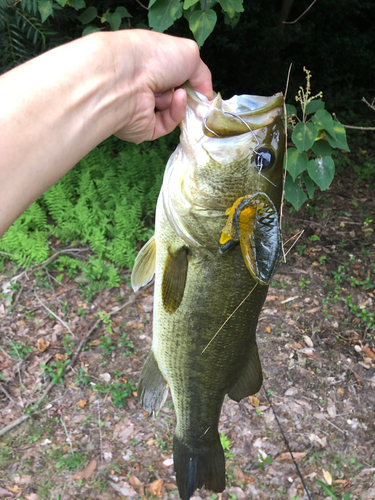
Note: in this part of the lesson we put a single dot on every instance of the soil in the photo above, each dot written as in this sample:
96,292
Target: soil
90,439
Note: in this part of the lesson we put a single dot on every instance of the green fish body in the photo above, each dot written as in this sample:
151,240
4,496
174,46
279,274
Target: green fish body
214,251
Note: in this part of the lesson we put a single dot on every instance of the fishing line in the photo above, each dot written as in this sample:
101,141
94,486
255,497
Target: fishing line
299,236
287,443
228,318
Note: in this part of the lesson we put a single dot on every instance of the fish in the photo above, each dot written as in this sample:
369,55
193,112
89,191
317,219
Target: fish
215,249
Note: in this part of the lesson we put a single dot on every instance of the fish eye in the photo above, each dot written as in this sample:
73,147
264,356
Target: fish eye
264,158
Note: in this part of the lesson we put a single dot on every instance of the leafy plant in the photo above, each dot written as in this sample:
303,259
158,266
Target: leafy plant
226,444
55,371
19,350
106,201
314,133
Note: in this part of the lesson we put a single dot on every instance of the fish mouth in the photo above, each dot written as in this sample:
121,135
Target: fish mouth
235,116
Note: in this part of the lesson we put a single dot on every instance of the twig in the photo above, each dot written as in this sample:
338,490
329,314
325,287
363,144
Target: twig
100,433
41,265
299,236
2,388
303,13
353,126
67,435
287,443
141,4
53,314
368,104
286,149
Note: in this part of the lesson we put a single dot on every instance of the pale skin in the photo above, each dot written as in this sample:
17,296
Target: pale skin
57,107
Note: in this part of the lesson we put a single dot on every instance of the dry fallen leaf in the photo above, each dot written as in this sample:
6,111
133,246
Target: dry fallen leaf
369,353
95,342
331,409
42,344
32,496
85,473
60,357
268,328
150,442
14,488
308,341
157,489
296,454
137,485
5,493
327,477
254,401
82,403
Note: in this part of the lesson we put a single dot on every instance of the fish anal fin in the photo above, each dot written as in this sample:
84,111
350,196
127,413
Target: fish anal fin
152,388
144,266
250,380
174,279
195,468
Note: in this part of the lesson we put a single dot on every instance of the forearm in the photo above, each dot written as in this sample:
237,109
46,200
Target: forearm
53,111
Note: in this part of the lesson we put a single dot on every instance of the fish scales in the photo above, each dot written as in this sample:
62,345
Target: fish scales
216,220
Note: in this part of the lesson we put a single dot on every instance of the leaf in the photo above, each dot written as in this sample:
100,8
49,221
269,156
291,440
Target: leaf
322,171
327,477
45,9
189,3
323,120
326,489
293,192
157,489
331,409
5,493
122,11
290,110
86,17
82,403
308,341
42,344
90,29
310,185
304,135
77,4
137,485
61,2
85,473
297,455
163,13
231,7
297,162
340,141
115,21
322,148
314,106
202,24
254,401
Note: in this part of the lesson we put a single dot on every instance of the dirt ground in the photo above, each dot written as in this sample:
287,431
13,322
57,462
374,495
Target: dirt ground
88,438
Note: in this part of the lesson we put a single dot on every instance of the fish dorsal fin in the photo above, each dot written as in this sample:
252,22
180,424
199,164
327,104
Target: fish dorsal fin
174,279
251,378
144,266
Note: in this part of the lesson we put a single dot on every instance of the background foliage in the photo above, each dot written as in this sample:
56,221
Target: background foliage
109,198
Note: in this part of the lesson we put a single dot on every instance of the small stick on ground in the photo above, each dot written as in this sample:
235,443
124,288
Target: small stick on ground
100,434
53,314
67,435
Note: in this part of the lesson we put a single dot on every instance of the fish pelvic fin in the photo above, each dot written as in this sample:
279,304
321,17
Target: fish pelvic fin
250,380
152,387
195,468
144,266
174,279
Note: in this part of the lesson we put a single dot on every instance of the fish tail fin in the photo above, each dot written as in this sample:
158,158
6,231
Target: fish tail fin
197,468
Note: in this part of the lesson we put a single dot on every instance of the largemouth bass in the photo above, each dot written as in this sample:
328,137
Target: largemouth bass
215,248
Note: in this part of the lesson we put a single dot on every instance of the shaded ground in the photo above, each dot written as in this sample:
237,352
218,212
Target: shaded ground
316,340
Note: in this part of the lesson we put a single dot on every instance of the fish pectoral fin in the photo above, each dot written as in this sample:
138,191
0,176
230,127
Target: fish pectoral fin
144,266
174,279
251,378
152,387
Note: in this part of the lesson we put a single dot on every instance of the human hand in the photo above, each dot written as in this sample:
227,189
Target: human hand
160,64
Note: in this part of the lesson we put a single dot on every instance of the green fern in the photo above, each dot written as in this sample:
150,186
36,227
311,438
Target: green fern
107,201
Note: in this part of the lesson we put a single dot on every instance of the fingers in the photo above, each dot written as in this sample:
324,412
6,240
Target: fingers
163,100
168,118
